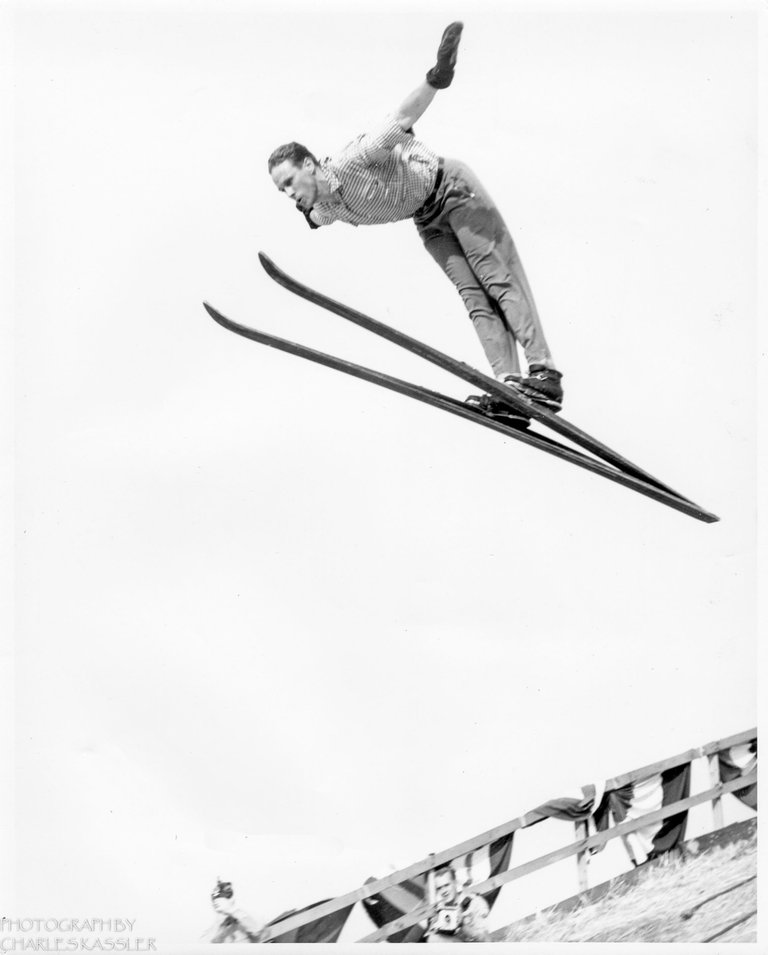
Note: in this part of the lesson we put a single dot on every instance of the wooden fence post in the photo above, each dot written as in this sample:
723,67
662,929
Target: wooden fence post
717,803
431,885
582,858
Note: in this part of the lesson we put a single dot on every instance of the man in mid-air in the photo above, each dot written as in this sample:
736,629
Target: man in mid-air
387,175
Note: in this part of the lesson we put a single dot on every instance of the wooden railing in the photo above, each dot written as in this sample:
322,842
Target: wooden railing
580,848
573,849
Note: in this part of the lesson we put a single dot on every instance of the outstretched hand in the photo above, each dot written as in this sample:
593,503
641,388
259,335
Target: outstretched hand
440,76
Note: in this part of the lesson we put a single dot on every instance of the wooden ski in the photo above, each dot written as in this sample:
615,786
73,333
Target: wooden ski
462,410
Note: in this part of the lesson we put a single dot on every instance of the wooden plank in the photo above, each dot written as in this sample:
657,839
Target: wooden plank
557,855
672,761
653,769
737,739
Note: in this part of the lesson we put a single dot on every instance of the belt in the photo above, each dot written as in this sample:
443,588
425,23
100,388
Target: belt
433,195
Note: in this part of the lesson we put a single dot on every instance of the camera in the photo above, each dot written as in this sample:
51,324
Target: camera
223,890
447,919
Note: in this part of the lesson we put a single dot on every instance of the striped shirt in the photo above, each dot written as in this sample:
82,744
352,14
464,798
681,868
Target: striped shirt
379,177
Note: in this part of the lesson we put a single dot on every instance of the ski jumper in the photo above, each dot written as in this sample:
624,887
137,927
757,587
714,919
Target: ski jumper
388,175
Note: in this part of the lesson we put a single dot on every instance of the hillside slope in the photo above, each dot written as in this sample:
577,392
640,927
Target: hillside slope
707,894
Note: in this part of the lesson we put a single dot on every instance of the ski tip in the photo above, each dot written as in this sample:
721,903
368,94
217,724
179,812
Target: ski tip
216,316
267,263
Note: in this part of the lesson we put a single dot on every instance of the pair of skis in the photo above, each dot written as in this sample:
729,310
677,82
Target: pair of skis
600,460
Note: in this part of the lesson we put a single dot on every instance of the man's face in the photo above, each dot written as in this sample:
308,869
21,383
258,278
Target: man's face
445,888
297,182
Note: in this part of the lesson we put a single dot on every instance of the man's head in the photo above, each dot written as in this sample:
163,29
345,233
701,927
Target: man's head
446,888
222,897
294,171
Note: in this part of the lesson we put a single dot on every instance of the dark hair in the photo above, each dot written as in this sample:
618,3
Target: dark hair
294,152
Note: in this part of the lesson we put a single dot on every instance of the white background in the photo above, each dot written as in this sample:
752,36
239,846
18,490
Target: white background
274,625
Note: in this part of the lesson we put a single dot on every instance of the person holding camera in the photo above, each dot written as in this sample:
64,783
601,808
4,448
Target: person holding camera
457,916
233,924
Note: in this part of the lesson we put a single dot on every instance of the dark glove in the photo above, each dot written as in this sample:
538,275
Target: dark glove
308,217
441,74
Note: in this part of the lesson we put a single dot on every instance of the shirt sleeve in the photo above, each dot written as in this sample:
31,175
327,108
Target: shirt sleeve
375,145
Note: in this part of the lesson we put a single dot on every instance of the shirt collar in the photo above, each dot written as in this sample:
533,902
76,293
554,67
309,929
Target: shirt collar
333,180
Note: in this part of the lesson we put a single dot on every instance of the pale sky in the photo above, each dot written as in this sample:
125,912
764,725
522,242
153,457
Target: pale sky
275,625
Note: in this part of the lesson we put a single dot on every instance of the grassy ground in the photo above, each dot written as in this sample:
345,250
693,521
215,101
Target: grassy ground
678,901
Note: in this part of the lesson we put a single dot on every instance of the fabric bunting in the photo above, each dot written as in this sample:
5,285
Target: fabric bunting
576,808
631,802
325,929
396,901
740,761
647,795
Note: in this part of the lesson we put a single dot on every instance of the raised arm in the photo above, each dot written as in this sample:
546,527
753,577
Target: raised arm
412,108
438,78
